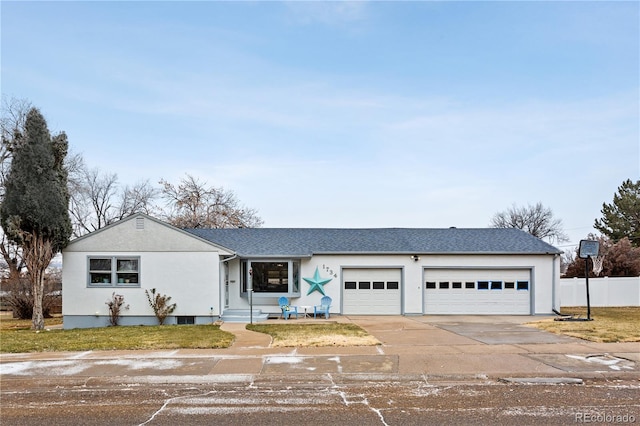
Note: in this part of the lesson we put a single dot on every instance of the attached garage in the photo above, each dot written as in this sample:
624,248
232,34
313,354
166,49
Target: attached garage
372,291
477,291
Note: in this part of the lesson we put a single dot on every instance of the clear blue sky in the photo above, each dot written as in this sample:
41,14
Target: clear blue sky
354,114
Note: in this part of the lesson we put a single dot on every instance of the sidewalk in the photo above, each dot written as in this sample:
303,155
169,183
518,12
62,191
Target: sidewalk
437,347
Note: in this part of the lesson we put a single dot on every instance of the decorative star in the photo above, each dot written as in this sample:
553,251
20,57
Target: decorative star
316,283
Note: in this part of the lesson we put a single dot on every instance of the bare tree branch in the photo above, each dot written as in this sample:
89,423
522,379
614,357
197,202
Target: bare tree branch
98,200
537,220
192,204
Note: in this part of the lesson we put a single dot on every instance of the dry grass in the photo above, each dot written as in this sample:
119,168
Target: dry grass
314,335
115,338
7,322
608,325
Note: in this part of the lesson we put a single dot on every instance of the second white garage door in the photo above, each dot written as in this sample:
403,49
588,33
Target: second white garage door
371,291
477,291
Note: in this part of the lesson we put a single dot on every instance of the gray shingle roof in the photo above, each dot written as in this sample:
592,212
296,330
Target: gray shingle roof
302,242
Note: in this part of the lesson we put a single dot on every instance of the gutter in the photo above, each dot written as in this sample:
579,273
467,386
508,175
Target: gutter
229,258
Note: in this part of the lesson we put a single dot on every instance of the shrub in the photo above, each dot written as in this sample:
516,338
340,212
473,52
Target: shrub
19,299
115,305
160,304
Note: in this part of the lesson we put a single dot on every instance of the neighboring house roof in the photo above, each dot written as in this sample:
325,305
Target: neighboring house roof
304,242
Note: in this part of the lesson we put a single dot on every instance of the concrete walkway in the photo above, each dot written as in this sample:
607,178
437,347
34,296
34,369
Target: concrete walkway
441,348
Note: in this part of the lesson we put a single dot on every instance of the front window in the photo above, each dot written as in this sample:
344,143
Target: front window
272,278
114,271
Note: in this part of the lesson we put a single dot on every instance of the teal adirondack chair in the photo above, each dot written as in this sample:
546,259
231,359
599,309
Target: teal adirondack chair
323,308
286,309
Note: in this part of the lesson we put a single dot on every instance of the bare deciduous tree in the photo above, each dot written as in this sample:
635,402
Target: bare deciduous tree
537,220
14,115
12,121
566,259
192,204
98,200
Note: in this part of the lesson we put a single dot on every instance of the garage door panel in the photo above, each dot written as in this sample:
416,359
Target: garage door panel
371,291
484,291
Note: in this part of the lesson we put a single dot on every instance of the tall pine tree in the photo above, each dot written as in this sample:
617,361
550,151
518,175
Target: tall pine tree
621,218
34,212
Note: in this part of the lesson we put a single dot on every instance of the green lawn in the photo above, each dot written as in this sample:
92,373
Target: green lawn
115,338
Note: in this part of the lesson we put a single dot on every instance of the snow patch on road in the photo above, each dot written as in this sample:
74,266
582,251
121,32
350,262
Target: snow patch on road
283,360
612,362
49,368
142,364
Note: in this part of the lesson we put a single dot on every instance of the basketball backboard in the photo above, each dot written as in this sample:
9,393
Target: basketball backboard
588,248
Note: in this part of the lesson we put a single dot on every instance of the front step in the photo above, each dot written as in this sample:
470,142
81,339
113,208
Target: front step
243,315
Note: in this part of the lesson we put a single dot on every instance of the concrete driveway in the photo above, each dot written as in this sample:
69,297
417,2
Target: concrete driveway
496,346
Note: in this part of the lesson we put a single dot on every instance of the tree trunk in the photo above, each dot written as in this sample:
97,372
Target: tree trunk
37,255
37,285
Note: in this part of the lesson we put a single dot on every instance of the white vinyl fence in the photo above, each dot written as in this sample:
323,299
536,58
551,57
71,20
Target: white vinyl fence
616,291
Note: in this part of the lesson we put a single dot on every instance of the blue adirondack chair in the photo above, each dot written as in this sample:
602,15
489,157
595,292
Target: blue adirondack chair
286,309
323,307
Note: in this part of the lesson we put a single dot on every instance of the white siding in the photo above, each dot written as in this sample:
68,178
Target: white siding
190,278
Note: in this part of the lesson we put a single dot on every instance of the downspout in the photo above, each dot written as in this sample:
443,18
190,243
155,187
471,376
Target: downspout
554,283
223,287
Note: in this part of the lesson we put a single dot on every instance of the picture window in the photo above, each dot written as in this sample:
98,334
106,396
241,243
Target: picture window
272,278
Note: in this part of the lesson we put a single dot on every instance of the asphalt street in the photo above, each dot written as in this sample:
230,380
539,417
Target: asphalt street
315,400
437,370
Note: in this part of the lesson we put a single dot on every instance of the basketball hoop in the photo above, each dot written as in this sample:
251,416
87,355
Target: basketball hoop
589,249
597,264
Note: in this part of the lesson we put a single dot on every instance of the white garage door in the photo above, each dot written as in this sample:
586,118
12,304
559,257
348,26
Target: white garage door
371,291
477,291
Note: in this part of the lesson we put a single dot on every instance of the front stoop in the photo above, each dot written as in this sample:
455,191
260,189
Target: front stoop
243,315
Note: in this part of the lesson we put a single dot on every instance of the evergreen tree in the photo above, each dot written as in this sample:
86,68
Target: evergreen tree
622,218
34,210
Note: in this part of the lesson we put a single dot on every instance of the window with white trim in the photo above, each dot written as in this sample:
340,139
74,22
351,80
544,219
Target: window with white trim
113,271
271,278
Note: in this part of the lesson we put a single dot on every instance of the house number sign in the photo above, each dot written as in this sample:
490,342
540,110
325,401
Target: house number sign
329,270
